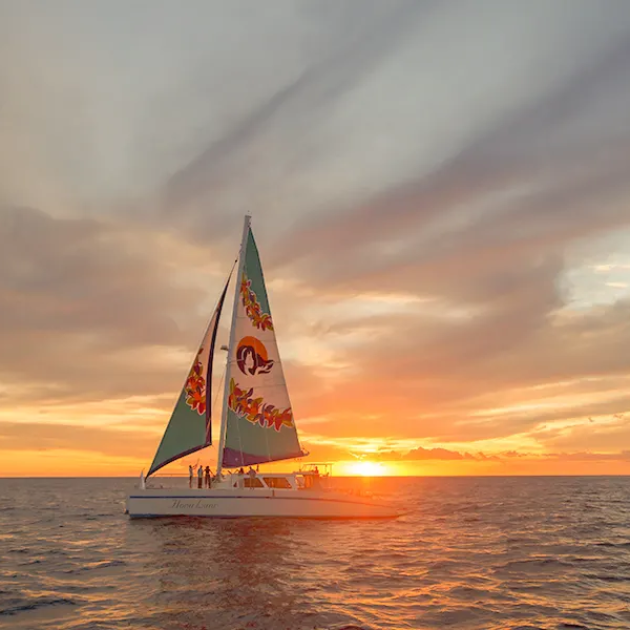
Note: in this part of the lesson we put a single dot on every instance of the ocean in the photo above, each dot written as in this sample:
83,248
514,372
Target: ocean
471,553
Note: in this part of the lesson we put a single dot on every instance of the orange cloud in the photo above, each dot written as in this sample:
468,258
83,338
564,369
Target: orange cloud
426,272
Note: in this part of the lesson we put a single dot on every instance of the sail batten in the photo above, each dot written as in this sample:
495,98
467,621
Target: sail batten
190,426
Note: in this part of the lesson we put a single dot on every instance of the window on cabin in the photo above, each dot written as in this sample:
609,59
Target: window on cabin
253,483
277,482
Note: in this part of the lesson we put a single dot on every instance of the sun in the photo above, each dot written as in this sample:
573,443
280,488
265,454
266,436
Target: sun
367,469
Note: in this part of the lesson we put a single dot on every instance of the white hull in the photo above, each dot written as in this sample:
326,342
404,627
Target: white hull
248,502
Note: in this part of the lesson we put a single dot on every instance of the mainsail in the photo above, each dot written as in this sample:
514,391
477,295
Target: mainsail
189,428
258,420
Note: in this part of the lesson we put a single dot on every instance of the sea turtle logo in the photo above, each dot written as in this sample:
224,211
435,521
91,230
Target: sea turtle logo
252,357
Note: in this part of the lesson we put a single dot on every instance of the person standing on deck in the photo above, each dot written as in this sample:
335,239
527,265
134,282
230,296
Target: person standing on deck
190,475
240,481
207,479
199,476
252,475
316,480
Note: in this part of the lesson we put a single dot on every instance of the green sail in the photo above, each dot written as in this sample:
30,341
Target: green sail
189,428
259,424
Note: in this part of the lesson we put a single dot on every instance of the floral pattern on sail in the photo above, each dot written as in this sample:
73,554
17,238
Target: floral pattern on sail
256,411
252,307
196,386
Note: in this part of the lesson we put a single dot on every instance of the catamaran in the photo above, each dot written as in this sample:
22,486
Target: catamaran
257,425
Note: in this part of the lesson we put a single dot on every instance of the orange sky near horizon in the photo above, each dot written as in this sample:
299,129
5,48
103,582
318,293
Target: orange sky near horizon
447,254
62,463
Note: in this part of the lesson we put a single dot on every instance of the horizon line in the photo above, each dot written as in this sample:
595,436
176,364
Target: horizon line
343,476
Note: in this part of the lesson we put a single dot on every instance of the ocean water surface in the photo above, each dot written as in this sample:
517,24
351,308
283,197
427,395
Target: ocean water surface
471,553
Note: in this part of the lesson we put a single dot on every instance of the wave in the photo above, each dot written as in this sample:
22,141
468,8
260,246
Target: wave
106,564
34,604
608,578
488,554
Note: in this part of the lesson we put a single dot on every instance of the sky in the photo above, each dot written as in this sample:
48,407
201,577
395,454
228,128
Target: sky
440,193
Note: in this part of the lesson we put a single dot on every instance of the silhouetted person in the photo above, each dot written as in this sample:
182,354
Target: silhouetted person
199,476
190,476
252,475
207,480
316,479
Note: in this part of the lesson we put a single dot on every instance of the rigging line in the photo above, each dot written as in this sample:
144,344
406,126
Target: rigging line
240,441
223,422
228,424
216,397
267,441
221,381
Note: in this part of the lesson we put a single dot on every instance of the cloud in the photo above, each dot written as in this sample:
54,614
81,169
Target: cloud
91,308
421,252
39,436
449,380
420,454
291,108
543,179
294,137
622,456
605,434
425,185
427,454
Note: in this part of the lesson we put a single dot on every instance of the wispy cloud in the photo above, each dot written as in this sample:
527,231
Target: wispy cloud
441,208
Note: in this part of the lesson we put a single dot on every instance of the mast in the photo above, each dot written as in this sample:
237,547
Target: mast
226,391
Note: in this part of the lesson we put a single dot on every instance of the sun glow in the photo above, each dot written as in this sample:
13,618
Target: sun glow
366,469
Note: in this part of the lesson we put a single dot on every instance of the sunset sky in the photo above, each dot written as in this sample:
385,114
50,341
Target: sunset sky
440,192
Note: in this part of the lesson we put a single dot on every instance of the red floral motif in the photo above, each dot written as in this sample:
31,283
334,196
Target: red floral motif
261,320
196,387
256,411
